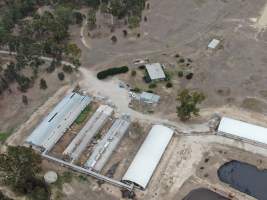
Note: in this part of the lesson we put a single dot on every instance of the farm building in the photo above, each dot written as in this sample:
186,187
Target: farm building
148,157
52,128
91,128
213,44
243,131
155,71
108,144
149,97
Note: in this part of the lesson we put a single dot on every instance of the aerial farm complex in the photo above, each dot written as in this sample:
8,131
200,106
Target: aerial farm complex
133,99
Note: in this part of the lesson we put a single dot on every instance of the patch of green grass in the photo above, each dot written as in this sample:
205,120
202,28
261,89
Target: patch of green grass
80,119
4,136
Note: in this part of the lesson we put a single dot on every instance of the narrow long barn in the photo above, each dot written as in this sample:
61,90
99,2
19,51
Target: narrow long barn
52,128
148,157
108,144
91,128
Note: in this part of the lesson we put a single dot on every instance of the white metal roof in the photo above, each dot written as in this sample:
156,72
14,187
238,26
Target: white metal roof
148,156
56,123
149,97
155,71
214,43
243,130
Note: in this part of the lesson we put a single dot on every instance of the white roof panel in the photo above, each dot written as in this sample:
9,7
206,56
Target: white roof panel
214,43
243,130
148,156
155,71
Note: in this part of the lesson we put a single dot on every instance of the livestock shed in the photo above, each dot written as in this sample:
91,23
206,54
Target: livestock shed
148,156
104,149
52,128
155,71
91,128
243,131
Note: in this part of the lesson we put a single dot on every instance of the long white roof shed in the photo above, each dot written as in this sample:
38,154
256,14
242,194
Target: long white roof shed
241,130
49,131
148,156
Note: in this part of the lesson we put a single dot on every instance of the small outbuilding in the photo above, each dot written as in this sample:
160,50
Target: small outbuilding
243,131
155,71
149,98
214,44
148,157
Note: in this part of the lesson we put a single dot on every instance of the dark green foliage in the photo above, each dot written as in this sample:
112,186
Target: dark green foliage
68,69
133,73
188,104
189,76
19,168
180,73
152,85
82,117
43,84
51,67
25,100
3,197
169,85
61,76
136,89
112,71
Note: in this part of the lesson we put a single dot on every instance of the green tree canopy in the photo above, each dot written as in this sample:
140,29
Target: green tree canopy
188,104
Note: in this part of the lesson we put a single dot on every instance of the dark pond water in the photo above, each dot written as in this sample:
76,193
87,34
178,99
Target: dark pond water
203,194
245,177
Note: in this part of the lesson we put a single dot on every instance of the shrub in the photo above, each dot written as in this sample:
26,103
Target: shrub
43,84
133,73
181,60
68,69
152,85
61,76
114,39
142,67
180,73
189,76
112,71
169,85
136,89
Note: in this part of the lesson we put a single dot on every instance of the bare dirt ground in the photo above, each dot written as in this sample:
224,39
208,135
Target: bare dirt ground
233,74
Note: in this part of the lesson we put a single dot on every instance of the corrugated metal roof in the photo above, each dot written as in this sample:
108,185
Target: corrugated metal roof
155,71
243,130
107,145
148,156
149,97
58,121
214,43
91,128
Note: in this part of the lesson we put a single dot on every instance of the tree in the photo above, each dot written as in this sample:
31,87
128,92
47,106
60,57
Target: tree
61,76
91,19
188,104
114,39
25,99
43,84
73,50
19,168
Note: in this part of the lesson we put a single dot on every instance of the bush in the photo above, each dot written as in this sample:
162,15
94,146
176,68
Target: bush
68,69
152,85
114,39
61,76
133,73
43,84
169,85
136,89
189,76
180,73
142,67
181,60
111,72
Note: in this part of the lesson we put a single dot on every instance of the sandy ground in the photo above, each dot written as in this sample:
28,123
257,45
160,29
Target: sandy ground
263,19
